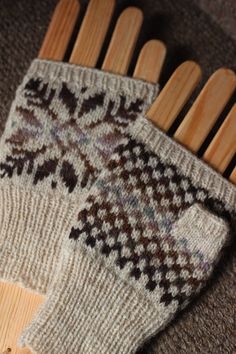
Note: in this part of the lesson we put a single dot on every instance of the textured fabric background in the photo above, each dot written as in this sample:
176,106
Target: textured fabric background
208,325
224,12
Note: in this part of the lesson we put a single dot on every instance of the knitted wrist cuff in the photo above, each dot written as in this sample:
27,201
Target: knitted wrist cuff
89,310
32,226
173,154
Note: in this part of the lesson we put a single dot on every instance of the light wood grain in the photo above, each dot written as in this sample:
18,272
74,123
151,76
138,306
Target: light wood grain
60,29
206,109
92,33
150,61
174,95
124,38
17,307
223,147
233,176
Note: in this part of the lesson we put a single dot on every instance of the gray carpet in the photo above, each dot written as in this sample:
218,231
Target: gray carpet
208,325
223,12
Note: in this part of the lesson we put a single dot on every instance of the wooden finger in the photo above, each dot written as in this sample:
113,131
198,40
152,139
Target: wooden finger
206,109
17,307
174,95
232,177
150,61
223,147
123,41
92,33
60,29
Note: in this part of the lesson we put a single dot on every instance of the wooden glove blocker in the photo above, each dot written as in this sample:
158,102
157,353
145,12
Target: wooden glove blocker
17,305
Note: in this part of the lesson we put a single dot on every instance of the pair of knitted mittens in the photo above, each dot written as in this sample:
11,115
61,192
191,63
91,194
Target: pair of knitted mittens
118,225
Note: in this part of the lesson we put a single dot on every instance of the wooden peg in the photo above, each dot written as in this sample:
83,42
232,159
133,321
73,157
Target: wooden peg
174,95
232,177
123,41
92,32
223,147
150,61
17,307
206,109
60,30
8,350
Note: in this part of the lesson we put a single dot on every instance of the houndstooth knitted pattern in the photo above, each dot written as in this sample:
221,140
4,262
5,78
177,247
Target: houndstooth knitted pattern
63,125
146,240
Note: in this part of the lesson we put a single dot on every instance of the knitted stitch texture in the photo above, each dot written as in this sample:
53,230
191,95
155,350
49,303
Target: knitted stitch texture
146,240
63,125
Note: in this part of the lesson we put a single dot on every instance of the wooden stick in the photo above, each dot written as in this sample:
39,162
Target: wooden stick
59,31
223,147
92,32
150,61
232,177
174,95
206,109
18,305
124,38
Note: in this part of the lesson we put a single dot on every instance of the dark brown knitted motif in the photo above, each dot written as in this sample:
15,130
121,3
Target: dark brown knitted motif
132,216
62,130
29,145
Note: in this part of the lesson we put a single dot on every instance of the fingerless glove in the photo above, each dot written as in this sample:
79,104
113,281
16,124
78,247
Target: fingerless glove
145,241
63,125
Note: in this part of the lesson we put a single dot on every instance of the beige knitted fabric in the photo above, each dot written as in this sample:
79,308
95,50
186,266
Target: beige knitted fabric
145,241
63,125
